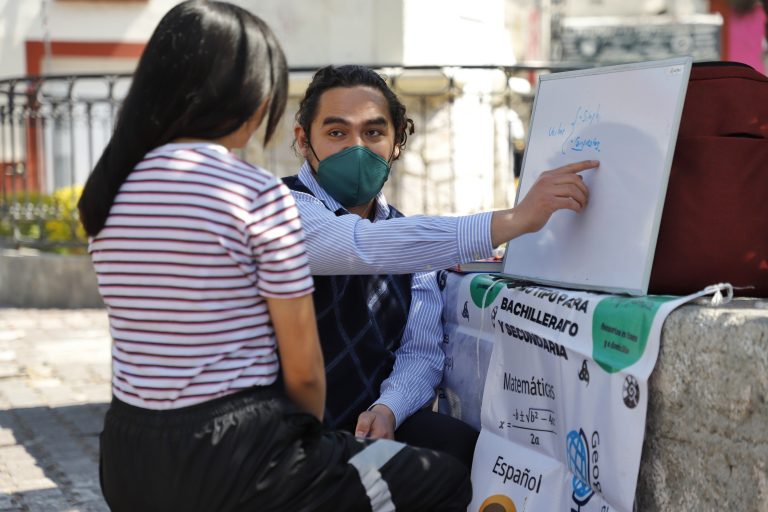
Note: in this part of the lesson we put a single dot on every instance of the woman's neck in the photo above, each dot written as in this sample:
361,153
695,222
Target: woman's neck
228,141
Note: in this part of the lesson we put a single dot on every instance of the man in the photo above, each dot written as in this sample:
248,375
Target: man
376,296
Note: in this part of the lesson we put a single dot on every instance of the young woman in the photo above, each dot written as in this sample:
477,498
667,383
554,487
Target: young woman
218,378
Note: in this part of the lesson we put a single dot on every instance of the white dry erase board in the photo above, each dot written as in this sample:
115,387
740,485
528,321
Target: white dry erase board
626,117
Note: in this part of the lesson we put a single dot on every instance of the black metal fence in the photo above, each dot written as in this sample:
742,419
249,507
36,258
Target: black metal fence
54,128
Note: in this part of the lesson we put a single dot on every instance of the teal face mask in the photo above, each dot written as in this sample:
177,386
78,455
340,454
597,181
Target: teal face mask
353,176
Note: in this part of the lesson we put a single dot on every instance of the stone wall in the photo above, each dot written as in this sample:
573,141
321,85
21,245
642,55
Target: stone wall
32,280
706,443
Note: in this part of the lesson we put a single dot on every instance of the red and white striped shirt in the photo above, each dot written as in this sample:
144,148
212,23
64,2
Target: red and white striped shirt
195,241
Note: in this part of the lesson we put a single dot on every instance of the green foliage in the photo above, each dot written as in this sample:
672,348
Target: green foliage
46,222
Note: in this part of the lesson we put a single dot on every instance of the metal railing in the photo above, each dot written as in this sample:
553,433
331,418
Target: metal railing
54,128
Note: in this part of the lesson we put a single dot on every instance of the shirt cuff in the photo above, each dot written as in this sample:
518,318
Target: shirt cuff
474,233
398,405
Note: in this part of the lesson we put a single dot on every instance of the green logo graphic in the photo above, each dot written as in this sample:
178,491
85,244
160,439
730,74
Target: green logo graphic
620,328
484,288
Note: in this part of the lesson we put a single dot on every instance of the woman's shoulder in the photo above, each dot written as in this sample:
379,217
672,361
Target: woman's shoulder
213,160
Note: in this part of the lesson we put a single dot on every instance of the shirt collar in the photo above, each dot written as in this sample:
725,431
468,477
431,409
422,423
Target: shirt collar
307,177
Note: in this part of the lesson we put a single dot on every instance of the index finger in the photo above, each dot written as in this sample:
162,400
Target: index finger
577,167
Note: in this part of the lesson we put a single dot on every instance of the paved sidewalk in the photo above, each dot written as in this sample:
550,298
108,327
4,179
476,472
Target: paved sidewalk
54,391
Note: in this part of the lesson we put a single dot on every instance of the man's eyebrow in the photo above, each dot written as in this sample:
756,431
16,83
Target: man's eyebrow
376,121
334,120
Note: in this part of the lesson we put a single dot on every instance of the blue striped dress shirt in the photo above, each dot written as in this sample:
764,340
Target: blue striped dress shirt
349,245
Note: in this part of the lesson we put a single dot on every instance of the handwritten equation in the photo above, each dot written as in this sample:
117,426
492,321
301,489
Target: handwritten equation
584,118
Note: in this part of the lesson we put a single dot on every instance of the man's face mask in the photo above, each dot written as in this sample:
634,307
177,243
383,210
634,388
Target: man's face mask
353,176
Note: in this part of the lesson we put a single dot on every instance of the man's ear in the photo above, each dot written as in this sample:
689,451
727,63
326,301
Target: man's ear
302,145
396,153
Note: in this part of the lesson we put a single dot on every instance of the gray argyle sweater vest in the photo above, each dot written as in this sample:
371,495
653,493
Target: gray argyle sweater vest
361,320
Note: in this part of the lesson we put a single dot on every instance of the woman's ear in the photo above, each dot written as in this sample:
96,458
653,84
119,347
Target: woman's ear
258,117
240,137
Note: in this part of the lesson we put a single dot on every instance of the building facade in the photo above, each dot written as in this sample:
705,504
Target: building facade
465,70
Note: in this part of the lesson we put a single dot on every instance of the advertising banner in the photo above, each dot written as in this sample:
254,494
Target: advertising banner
565,397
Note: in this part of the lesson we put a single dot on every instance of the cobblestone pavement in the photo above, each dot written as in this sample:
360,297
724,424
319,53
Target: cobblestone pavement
54,391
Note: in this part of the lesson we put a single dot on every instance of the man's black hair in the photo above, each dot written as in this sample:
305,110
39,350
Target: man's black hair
352,75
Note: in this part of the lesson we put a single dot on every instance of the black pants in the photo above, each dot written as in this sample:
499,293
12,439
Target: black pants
429,429
256,451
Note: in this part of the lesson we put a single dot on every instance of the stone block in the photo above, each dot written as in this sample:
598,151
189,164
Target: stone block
32,280
706,443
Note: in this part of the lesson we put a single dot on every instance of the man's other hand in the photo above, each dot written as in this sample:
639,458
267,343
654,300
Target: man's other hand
378,423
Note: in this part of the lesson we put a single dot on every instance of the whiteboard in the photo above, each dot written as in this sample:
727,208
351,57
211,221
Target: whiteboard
626,117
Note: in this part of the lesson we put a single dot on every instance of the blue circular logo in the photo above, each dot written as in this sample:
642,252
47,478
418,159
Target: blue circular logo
578,462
